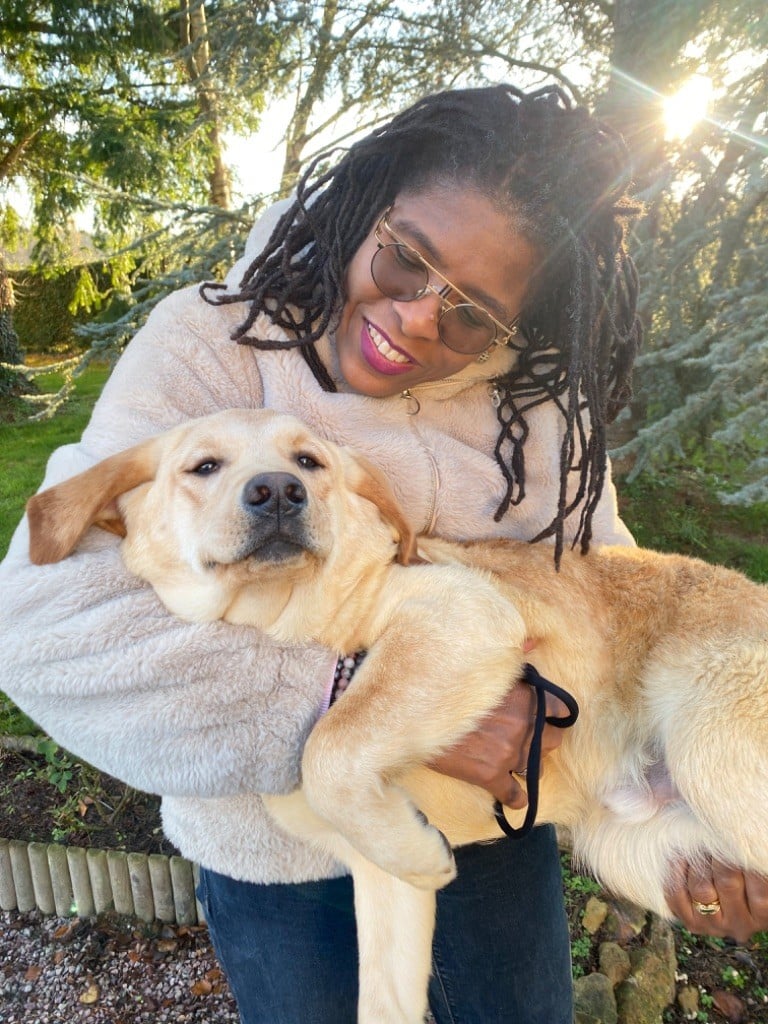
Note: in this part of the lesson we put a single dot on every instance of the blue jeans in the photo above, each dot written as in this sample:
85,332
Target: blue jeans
501,950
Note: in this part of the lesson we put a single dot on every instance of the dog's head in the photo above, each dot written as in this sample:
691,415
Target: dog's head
240,497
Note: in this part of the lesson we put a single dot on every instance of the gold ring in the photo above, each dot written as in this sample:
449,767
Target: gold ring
706,908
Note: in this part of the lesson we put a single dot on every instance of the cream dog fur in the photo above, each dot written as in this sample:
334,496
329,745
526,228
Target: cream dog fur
250,517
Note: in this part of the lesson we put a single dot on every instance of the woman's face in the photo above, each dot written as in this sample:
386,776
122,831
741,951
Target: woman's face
384,345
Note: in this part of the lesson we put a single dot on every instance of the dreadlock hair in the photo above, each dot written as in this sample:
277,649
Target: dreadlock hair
561,176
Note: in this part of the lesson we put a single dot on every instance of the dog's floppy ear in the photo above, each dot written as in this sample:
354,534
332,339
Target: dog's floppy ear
370,483
58,517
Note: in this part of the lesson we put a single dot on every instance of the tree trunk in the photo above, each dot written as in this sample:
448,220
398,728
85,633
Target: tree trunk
296,136
194,37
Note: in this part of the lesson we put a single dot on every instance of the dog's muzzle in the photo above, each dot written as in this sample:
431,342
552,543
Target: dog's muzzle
275,504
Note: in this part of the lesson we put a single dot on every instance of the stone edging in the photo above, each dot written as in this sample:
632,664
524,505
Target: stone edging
69,880
629,988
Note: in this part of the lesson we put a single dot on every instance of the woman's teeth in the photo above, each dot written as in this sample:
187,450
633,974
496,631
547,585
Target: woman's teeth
384,348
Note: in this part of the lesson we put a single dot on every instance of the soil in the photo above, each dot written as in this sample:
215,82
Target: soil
88,809
50,798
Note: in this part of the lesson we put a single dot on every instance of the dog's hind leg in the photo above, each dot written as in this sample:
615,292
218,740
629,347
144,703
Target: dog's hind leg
395,924
634,859
717,750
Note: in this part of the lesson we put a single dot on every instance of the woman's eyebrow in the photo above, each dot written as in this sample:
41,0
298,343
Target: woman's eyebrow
424,245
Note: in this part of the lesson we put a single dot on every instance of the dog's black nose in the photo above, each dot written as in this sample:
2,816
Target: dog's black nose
275,494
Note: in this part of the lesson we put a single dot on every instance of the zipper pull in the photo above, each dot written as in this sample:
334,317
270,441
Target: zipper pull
411,398
495,394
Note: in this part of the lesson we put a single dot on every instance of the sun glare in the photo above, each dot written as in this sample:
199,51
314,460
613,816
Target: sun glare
688,106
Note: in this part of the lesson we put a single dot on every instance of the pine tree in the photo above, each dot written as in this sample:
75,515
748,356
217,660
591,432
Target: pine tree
13,382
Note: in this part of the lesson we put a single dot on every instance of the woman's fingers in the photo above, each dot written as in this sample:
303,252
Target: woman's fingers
712,898
499,746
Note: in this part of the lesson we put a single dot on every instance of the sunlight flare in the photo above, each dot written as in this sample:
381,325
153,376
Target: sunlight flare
687,107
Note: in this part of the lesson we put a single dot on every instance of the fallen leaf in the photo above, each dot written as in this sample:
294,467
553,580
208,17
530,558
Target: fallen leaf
91,995
201,988
167,945
731,1007
33,973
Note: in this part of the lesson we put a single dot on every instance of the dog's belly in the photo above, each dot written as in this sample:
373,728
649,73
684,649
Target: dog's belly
465,813
638,799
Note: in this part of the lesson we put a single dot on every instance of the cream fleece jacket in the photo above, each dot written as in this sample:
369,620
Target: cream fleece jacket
209,716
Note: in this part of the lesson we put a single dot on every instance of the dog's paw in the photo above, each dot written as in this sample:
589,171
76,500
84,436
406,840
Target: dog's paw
445,873
427,862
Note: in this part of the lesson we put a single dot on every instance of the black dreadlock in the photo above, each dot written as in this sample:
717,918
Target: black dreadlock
562,176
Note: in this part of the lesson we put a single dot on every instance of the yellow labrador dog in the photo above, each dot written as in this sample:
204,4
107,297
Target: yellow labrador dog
250,517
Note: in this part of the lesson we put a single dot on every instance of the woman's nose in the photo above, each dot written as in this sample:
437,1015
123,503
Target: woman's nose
418,318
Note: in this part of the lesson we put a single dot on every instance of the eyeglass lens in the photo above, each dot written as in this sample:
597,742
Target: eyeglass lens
400,275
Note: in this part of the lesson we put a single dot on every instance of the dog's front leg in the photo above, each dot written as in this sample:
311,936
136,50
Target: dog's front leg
395,924
423,685
351,761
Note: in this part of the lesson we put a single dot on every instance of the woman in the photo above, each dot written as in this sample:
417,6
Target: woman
452,297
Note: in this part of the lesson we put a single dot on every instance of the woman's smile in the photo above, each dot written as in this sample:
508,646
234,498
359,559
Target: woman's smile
380,353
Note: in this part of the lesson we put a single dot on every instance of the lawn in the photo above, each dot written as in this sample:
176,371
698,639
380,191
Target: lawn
25,447
679,512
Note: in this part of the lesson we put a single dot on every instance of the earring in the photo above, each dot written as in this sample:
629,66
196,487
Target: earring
483,357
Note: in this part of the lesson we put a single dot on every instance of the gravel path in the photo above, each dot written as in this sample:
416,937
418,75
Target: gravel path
108,971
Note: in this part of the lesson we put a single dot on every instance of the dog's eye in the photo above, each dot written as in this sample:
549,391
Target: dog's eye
308,461
205,467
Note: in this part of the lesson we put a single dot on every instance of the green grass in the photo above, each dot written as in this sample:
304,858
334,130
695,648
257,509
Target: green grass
25,447
677,511
24,451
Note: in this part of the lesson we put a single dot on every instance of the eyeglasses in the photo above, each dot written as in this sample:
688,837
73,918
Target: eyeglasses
401,273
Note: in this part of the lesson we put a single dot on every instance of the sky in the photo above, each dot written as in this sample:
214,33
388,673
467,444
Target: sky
256,161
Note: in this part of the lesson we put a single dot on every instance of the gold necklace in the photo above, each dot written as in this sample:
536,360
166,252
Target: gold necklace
409,396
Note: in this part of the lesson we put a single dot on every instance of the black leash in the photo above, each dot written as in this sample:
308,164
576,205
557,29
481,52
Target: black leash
542,687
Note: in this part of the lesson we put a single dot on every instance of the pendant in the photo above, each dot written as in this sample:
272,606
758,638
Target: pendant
411,398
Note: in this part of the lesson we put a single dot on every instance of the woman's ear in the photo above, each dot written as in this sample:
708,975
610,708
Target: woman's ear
370,483
59,516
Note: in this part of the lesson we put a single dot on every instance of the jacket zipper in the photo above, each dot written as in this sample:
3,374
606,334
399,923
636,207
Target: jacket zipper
409,396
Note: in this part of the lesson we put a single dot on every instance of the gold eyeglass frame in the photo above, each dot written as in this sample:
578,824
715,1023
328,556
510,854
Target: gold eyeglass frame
507,331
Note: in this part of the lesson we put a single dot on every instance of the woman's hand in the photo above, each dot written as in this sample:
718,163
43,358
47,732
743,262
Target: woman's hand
715,899
499,745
